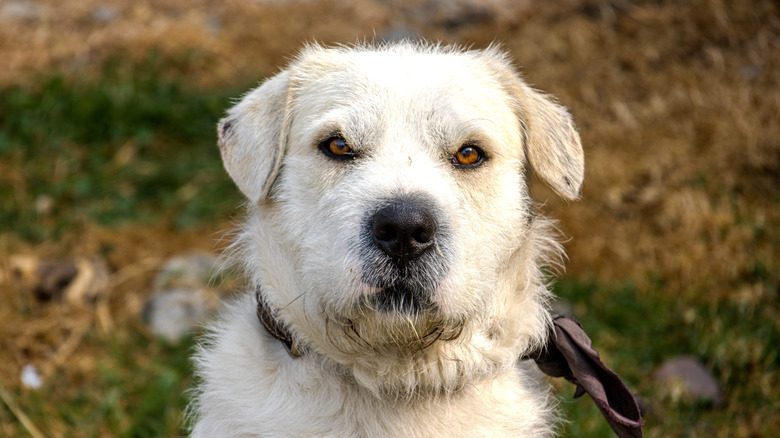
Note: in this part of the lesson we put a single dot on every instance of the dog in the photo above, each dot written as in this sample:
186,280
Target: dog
397,262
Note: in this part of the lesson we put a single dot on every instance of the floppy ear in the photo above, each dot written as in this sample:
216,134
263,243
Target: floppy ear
552,143
252,137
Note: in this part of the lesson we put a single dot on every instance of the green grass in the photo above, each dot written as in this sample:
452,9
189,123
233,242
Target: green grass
138,390
132,145
636,331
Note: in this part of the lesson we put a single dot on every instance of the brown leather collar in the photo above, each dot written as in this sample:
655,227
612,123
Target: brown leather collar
568,354
274,326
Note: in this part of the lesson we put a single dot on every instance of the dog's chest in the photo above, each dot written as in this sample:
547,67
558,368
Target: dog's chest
500,407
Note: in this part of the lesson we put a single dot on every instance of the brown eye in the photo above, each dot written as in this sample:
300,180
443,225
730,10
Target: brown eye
468,156
336,147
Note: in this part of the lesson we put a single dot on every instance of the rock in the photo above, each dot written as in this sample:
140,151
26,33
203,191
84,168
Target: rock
104,14
53,278
21,10
76,281
30,377
398,33
174,314
562,307
453,14
91,281
686,379
183,298
44,205
189,271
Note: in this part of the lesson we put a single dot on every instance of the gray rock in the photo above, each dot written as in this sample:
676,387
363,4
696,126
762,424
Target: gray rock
31,378
398,33
453,14
686,379
77,281
176,313
562,307
104,14
189,271
21,10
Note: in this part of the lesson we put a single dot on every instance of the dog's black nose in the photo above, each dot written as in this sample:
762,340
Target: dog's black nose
403,229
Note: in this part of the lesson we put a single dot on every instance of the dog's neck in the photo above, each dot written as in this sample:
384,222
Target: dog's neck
568,354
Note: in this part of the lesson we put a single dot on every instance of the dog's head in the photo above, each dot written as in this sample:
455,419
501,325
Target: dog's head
391,226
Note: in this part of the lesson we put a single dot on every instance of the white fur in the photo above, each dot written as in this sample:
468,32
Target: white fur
405,109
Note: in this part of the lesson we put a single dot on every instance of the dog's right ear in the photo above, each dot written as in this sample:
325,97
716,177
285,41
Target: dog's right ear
252,137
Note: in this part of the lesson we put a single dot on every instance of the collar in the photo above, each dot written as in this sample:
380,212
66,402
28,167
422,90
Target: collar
270,321
568,354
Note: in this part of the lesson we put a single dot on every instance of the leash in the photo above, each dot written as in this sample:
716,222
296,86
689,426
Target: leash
568,354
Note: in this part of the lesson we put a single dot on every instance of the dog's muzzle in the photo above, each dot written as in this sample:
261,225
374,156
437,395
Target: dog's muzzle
402,253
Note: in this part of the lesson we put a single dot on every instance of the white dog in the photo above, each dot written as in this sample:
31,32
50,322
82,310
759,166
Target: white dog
393,248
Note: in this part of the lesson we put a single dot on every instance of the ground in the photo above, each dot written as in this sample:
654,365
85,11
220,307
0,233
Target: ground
107,149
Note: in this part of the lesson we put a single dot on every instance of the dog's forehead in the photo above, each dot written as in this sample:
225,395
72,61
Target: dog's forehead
458,87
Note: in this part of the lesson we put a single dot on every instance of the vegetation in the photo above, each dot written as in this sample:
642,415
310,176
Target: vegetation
126,147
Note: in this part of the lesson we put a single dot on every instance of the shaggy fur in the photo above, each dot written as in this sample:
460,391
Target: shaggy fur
448,367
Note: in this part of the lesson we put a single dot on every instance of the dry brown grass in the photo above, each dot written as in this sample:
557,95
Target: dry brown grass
677,103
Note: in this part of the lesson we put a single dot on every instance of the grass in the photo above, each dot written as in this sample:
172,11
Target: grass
123,148
636,331
138,389
136,142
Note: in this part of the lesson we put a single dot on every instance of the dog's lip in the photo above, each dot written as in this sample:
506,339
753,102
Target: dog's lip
398,298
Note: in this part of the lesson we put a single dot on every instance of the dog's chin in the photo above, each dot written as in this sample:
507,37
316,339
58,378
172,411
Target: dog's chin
393,320
403,346
400,299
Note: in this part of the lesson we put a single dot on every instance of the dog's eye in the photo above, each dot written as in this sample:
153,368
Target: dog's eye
336,147
468,156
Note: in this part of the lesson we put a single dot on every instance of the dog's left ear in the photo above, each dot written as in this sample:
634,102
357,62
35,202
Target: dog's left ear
252,137
552,144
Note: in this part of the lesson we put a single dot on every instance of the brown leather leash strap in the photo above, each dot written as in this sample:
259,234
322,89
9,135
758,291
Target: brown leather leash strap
568,354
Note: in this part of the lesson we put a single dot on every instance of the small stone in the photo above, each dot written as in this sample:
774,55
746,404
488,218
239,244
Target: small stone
453,14
399,33
214,24
189,271
686,379
44,205
562,307
104,14
91,281
30,377
176,313
76,281
20,11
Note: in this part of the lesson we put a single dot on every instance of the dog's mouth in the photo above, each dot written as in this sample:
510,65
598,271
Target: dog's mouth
400,298
403,291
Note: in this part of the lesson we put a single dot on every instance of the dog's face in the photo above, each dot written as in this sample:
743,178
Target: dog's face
392,216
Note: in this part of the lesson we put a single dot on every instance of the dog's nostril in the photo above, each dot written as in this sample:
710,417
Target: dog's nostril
384,231
403,229
423,234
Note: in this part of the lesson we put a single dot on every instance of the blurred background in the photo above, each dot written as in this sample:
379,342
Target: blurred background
113,201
